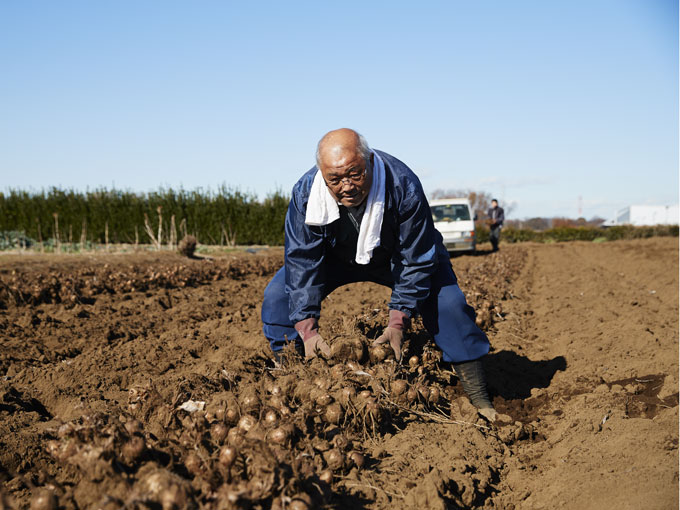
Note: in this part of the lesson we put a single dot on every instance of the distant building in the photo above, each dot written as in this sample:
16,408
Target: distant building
639,215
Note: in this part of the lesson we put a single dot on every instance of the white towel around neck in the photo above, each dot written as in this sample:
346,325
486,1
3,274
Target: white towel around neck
322,209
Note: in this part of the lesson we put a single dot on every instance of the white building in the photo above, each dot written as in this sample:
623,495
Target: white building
639,215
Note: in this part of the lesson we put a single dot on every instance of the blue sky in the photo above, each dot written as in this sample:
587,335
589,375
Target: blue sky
538,103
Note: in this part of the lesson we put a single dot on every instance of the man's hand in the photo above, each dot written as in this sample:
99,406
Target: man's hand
316,345
394,332
395,337
308,329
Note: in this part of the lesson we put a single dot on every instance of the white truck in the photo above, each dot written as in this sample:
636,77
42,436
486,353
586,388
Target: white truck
455,220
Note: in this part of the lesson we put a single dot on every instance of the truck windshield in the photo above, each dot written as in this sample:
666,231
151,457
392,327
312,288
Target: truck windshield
451,212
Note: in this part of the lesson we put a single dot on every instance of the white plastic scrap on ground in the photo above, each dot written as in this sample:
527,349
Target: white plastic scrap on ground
191,406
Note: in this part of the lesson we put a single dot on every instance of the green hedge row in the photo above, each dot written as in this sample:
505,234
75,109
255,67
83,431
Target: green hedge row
563,234
208,215
27,218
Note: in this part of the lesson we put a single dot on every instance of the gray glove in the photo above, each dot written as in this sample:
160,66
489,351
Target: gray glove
316,345
308,329
395,337
394,332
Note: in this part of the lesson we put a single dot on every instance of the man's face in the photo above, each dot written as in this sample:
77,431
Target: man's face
494,203
347,177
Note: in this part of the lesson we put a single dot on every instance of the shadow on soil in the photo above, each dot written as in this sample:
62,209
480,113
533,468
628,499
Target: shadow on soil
512,376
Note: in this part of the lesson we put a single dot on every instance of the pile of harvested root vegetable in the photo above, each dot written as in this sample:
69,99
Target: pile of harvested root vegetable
267,435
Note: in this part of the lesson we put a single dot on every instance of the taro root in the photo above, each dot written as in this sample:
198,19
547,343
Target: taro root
273,389
344,348
378,353
347,394
373,409
399,387
433,395
62,452
320,445
133,449
321,382
340,441
279,403
250,402
44,500
338,371
227,456
334,458
282,435
133,427
319,396
300,501
357,459
235,436
53,447
257,432
66,430
413,361
324,399
218,432
216,411
353,366
411,395
194,464
284,411
246,423
365,394
173,497
326,476
333,413
162,485
231,415
423,390
305,391
271,418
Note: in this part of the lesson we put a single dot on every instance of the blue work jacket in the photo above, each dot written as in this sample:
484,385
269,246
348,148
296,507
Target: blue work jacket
408,255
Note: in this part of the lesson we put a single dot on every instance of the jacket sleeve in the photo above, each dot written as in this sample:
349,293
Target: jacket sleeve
415,261
304,262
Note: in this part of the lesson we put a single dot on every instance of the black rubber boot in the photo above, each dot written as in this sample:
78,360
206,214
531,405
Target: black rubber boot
471,374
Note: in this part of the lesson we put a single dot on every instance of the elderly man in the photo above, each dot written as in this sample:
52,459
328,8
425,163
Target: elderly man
361,215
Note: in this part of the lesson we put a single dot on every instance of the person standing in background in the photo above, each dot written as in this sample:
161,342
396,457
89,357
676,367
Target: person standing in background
496,218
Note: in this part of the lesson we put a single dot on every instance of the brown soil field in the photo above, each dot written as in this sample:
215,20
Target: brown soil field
144,381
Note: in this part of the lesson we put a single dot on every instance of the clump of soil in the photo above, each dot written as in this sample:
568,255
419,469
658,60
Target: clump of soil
187,246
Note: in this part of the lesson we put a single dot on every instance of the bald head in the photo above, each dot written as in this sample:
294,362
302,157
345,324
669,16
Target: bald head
341,144
344,158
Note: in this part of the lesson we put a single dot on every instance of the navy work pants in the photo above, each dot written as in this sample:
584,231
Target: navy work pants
446,314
